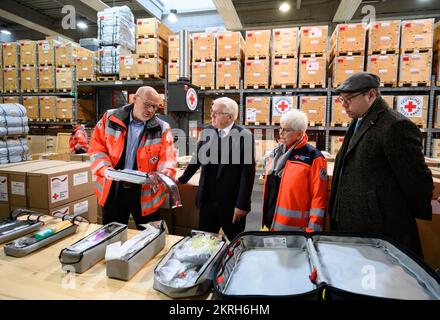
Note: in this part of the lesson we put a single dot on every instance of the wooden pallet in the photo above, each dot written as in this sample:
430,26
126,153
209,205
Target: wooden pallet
229,59
173,61
383,52
65,65
388,84
107,78
250,123
285,56
41,65
85,79
209,59
414,84
316,124
207,88
64,120
11,91
149,55
29,66
232,87
415,50
349,53
65,90
312,54
149,36
47,89
10,66
257,86
283,86
128,78
256,57
338,124
29,91
149,76
311,85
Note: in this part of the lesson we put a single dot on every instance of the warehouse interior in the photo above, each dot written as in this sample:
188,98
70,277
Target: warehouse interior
65,62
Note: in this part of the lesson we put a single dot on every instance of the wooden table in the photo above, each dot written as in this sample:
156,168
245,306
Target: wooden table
39,275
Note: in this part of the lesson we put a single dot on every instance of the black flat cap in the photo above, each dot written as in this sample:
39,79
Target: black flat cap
361,81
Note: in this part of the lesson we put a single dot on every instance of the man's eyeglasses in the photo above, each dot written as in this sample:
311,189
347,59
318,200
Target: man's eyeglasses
348,99
215,113
147,104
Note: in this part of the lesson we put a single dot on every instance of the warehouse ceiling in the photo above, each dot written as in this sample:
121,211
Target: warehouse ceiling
34,19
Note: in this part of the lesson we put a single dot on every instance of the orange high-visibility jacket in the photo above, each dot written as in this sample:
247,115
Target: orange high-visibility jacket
302,196
78,140
155,153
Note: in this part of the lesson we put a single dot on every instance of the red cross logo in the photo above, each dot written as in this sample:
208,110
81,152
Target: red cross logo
191,99
283,106
55,196
410,106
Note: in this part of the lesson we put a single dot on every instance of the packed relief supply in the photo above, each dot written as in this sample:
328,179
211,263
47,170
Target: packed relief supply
13,120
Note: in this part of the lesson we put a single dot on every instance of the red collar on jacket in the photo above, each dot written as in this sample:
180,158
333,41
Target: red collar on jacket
303,141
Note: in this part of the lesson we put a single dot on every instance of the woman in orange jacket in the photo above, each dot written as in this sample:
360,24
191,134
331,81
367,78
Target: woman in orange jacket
295,185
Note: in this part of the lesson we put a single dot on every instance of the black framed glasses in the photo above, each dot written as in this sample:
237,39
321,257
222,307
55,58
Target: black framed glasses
348,99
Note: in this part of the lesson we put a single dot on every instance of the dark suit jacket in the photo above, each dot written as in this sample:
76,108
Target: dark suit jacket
235,181
385,182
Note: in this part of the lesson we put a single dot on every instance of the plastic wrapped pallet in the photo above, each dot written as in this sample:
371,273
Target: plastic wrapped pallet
89,43
13,120
109,59
116,27
13,150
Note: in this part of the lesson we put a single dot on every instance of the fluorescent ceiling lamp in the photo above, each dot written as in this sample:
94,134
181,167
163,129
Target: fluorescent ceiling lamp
172,17
82,25
284,7
6,32
346,10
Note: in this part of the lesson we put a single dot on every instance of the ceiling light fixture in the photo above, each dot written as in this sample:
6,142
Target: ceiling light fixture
5,30
284,7
172,17
82,24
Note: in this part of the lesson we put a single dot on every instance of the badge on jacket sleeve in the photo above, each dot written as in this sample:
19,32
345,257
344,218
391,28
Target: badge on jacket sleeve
323,174
154,160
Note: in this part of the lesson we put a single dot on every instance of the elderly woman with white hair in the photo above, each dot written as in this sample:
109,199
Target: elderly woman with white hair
295,185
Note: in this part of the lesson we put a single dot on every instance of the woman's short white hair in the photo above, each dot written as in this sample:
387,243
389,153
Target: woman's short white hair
230,106
295,120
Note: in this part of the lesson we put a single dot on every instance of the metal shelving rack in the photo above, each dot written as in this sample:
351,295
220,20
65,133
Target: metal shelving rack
328,92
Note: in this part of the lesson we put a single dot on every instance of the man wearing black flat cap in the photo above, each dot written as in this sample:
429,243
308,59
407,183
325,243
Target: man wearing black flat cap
381,182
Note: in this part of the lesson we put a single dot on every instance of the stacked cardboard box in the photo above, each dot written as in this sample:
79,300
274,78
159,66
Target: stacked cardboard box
285,43
228,74
336,144
339,115
203,74
415,69
314,107
65,78
174,56
348,38
384,37
86,65
257,44
29,79
11,52
343,67
41,144
284,72
385,66
203,46
257,110
31,104
312,72
11,99
417,35
66,54
46,53
257,73
46,76
150,68
314,40
152,28
11,80
47,108
64,108
389,100
128,67
415,108
230,53
281,105
28,53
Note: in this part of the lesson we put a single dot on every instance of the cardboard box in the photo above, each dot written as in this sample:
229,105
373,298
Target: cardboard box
436,45
262,147
385,67
64,79
203,45
86,207
436,67
152,27
29,79
228,74
343,67
174,50
284,72
257,110
173,71
336,144
64,108
66,54
313,39
383,37
230,46
47,108
46,53
17,182
11,54
152,47
80,157
86,65
128,66
414,108
203,74
338,113
57,186
314,107
28,53
31,104
348,38
51,156
11,79
4,210
415,68
12,99
4,186
437,113
256,73
312,72
285,43
46,76
281,105
150,67
389,100
257,43
417,34
41,144
86,110
430,236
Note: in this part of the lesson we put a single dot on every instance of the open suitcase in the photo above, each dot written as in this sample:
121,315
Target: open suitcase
12,227
322,266
85,253
123,261
188,268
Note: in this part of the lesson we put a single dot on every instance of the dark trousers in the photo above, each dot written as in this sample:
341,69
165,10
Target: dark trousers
124,199
213,217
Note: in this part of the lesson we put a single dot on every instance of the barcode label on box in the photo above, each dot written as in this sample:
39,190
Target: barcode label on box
80,178
18,188
81,207
59,187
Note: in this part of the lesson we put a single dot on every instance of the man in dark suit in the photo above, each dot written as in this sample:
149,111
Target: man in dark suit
226,154
380,182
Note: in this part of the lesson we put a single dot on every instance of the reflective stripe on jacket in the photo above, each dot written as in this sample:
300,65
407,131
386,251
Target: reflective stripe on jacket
155,153
302,196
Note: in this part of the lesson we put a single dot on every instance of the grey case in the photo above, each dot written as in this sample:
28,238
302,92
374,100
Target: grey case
126,269
87,258
205,274
14,251
17,228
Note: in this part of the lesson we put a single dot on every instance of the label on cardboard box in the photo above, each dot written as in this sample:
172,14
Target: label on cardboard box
419,37
385,24
311,65
314,42
128,61
349,71
46,46
80,178
385,38
315,33
383,70
18,188
313,111
3,188
258,45
81,207
351,39
59,187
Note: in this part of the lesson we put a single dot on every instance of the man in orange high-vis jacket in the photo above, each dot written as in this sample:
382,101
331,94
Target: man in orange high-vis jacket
295,185
78,142
132,137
